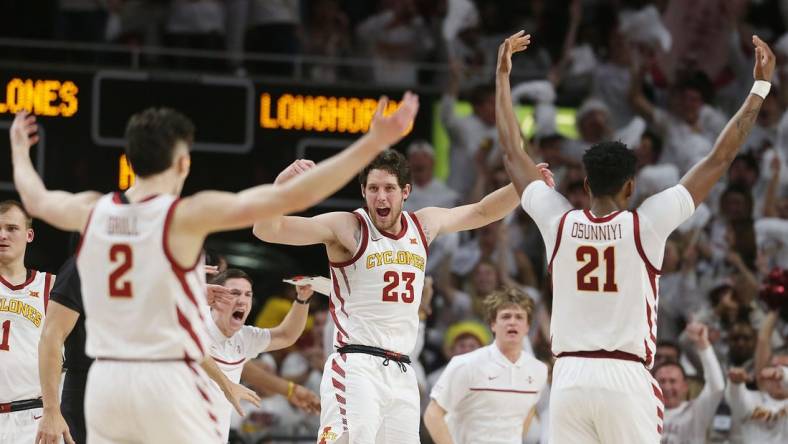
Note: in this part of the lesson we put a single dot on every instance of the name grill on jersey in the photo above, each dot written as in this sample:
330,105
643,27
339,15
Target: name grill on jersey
18,307
399,258
124,226
596,232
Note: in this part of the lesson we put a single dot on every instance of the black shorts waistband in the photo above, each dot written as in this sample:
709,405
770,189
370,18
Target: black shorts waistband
25,404
387,356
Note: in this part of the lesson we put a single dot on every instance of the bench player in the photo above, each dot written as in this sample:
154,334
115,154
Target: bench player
377,257
604,263
485,396
142,274
24,297
233,343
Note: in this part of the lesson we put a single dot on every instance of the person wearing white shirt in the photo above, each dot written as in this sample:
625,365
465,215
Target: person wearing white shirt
486,395
689,421
762,416
233,343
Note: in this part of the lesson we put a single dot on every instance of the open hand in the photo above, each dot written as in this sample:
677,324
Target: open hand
52,427
305,400
547,175
764,60
24,132
236,392
390,129
515,43
294,169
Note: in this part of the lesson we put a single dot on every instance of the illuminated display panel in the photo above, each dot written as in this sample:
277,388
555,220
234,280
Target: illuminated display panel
40,96
319,113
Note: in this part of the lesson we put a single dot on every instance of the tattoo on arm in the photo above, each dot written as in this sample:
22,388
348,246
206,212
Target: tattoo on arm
745,122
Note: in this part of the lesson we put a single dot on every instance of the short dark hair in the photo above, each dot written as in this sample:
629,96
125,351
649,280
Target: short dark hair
151,136
736,188
656,144
696,80
670,363
749,161
230,273
608,166
668,343
716,293
10,203
391,161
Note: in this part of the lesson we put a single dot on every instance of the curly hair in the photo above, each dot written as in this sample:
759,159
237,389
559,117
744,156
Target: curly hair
390,161
609,165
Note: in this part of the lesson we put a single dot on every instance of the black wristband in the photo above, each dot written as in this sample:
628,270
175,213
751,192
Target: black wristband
304,302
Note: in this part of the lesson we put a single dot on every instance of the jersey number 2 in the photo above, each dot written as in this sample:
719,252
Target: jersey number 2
6,332
393,279
120,255
590,256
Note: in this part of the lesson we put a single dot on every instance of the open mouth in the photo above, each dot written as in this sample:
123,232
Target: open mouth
382,212
238,315
511,331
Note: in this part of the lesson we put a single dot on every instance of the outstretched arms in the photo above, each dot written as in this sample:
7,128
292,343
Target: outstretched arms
702,177
520,167
64,210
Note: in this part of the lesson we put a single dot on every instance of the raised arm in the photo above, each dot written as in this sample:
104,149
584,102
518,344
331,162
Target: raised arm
289,330
520,167
230,211
61,209
705,174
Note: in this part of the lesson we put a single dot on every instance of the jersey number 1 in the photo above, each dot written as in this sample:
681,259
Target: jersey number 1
120,255
393,279
6,332
590,256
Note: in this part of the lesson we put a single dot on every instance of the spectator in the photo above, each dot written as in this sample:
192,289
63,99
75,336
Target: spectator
689,421
273,27
395,38
427,191
460,338
327,35
467,134
690,128
196,24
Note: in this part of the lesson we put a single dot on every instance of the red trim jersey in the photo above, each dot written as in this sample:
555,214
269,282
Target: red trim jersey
22,313
230,355
139,303
376,294
605,270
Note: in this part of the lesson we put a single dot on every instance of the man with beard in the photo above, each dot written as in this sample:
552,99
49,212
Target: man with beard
377,258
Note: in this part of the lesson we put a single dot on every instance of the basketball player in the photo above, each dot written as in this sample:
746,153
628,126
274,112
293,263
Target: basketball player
486,395
377,256
24,295
142,276
233,342
604,264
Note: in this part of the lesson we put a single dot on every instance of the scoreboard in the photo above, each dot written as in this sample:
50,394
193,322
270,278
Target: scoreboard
246,132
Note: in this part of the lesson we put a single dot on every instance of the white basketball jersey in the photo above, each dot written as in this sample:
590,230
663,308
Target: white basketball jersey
376,294
139,303
604,287
22,312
